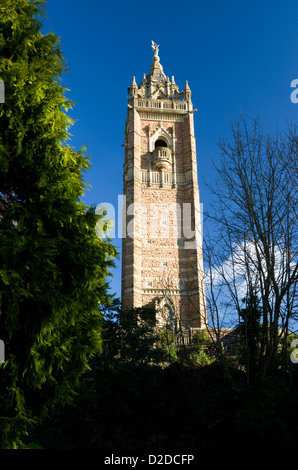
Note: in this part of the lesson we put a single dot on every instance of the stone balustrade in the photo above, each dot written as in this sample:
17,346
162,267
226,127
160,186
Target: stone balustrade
162,104
162,157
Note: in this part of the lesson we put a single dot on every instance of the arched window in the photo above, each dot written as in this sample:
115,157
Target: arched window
167,315
160,143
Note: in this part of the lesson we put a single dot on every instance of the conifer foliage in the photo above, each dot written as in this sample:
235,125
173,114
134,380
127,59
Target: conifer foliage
53,268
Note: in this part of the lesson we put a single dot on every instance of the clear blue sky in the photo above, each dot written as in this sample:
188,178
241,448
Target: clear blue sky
236,55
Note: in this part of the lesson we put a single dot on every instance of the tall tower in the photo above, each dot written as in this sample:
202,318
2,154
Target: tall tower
162,261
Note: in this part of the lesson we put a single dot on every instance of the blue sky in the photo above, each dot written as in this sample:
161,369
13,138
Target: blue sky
236,55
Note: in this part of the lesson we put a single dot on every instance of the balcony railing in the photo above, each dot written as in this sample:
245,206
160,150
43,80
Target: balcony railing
162,157
159,178
162,104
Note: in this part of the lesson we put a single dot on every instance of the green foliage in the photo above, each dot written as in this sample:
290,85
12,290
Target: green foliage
129,401
143,406
202,337
250,333
53,268
129,335
200,358
250,318
167,342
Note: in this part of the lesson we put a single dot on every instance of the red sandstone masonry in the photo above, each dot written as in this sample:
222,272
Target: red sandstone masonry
154,263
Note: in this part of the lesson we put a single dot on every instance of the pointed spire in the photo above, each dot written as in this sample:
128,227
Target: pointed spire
133,87
156,84
187,92
156,71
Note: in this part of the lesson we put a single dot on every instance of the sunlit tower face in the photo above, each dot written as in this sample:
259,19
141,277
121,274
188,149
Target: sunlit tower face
162,262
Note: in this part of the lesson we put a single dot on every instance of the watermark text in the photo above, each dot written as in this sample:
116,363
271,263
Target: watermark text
294,94
2,92
155,220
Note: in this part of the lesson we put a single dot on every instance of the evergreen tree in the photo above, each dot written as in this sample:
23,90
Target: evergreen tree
129,336
250,330
53,268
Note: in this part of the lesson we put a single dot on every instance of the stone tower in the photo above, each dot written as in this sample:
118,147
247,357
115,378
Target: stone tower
162,262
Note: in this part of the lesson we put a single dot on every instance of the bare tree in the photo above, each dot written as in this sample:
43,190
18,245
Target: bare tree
255,240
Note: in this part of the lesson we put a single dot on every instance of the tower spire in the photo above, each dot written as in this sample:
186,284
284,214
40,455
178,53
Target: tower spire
156,73
156,83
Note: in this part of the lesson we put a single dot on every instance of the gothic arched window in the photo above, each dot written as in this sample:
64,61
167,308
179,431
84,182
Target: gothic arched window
160,143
